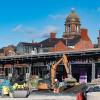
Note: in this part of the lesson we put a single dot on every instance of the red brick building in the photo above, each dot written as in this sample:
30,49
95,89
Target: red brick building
73,38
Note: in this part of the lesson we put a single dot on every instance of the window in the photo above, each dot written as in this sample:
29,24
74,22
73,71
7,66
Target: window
71,46
69,28
76,28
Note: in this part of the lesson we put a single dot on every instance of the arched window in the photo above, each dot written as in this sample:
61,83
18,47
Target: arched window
76,28
66,29
69,28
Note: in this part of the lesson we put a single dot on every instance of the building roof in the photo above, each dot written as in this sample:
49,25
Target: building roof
1,50
52,42
49,42
29,44
73,41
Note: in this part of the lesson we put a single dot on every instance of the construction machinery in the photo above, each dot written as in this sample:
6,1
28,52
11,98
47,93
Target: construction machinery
43,84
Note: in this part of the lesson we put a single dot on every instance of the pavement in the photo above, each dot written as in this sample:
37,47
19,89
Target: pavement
43,97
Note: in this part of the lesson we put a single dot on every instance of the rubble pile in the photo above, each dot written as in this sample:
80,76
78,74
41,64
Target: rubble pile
32,82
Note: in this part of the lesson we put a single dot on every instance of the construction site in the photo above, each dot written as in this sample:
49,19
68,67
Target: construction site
48,71
65,66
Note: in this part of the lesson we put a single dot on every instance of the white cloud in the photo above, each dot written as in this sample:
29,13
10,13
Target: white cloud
47,30
45,33
57,16
21,28
17,28
36,34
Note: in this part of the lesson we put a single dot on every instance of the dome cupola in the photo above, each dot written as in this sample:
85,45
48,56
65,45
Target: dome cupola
72,25
72,18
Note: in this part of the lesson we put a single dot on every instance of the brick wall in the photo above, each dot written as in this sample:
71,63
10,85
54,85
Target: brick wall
85,42
59,47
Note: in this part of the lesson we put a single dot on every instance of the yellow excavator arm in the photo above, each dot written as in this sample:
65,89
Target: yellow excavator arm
64,59
43,85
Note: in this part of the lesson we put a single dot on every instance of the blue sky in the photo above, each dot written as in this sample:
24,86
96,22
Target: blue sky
27,20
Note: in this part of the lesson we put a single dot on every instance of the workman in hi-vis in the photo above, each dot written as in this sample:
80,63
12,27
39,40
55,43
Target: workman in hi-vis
6,88
56,86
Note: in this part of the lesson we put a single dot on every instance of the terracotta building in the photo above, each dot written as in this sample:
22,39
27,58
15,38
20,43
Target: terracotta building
73,38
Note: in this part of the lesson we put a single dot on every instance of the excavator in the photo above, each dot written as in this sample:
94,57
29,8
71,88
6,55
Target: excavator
44,85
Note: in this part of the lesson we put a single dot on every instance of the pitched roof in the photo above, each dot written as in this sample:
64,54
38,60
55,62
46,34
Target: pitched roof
49,42
73,41
29,44
52,42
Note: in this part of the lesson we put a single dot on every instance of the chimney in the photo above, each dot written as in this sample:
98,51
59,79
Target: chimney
84,31
99,40
52,35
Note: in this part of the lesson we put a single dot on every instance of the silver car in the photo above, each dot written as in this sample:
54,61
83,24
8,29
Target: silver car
93,92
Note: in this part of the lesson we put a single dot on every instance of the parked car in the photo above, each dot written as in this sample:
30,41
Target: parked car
76,91
92,93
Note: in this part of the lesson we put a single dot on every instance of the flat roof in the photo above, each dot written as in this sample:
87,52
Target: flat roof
94,51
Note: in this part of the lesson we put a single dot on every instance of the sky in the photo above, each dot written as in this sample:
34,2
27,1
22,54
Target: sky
33,20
